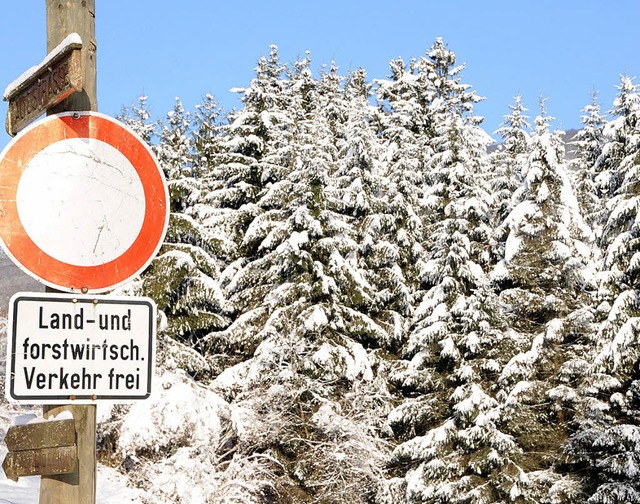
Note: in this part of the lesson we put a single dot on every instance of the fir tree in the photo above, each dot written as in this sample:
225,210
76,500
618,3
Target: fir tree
304,300
544,289
363,192
175,150
618,144
618,236
183,278
606,440
206,129
619,277
450,93
243,165
607,444
508,163
242,157
588,143
545,250
452,442
138,117
405,123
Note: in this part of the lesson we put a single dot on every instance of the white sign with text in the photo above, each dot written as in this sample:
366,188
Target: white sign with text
64,348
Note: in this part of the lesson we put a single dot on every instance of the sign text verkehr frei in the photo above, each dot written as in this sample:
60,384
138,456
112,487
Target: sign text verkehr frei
80,348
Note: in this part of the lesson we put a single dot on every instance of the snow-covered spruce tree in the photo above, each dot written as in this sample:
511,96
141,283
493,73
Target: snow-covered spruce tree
618,133
247,154
205,134
545,250
359,197
453,443
183,278
456,147
607,439
364,193
619,235
452,448
507,163
588,143
138,117
618,276
412,103
301,295
217,206
241,155
405,126
456,140
333,100
544,289
606,446
174,150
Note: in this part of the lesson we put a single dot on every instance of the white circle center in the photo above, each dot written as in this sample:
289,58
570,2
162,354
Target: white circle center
81,201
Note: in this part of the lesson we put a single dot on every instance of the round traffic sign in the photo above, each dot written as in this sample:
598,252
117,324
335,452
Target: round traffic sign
83,203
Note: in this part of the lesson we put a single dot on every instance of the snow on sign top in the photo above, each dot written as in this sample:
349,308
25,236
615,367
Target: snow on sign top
71,41
83,204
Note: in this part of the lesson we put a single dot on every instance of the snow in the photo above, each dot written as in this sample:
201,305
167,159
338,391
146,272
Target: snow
71,40
317,320
521,366
32,418
427,446
350,363
543,193
614,351
27,419
176,414
449,349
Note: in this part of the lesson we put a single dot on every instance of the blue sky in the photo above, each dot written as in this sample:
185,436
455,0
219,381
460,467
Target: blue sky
560,50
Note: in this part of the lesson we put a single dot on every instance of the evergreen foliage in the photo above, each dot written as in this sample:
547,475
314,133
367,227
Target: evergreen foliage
375,309
509,162
588,143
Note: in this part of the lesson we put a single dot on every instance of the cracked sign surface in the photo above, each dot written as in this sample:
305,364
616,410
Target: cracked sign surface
83,203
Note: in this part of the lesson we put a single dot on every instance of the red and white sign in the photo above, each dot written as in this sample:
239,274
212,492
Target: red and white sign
83,203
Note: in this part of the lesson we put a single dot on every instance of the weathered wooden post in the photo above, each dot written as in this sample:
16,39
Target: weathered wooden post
63,18
109,176
75,16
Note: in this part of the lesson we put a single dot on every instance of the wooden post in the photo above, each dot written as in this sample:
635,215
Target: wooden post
63,18
75,16
78,487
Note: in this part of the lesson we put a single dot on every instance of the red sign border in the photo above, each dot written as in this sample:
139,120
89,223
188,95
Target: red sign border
37,263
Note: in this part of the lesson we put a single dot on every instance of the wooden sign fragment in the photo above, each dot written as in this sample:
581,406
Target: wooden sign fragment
39,435
44,86
43,462
44,448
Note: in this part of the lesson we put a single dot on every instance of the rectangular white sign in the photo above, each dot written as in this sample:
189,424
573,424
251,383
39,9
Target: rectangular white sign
65,348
